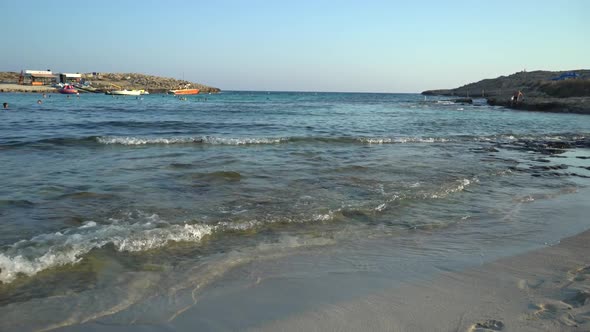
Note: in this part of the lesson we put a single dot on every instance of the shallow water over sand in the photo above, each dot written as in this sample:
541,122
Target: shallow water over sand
127,210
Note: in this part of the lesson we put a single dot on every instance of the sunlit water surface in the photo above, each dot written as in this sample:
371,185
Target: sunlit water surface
109,205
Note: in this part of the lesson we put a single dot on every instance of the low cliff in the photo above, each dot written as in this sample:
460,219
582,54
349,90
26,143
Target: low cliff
541,91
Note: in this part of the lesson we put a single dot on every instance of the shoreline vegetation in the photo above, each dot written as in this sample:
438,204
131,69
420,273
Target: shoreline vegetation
545,91
109,81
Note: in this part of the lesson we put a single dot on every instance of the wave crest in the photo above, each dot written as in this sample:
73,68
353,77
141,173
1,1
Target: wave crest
401,140
130,140
45,251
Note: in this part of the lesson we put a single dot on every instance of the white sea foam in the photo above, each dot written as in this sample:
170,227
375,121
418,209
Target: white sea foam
525,199
125,140
401,140
238,226
376,140
242,141
88,224
456,186
323,216
143,141
135,232
381,207
45,251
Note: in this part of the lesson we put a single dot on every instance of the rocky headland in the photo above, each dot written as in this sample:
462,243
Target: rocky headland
541,91
110,81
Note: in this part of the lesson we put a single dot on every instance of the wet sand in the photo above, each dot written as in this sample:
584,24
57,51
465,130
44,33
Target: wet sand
543,290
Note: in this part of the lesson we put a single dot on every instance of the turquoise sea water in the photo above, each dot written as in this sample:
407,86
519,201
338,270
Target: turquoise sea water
107,203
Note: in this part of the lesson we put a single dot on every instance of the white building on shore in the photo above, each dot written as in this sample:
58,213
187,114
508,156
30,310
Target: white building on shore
68,78
36,77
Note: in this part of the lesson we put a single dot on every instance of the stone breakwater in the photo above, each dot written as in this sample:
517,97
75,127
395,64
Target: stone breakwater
541,93
111,81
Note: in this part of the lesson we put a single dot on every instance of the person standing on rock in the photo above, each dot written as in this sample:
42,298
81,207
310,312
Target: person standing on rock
516,98
513,98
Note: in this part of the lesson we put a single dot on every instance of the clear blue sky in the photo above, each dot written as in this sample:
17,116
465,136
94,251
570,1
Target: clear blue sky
304,45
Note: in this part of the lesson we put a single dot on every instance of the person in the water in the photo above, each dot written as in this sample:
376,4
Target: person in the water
5,106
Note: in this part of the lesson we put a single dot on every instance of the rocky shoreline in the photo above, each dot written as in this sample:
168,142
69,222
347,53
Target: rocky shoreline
541,92
109,81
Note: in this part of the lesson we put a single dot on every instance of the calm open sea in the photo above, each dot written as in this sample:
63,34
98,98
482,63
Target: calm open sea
108,203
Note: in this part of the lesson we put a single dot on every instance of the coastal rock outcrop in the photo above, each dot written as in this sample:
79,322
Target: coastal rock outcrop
543,91
154,84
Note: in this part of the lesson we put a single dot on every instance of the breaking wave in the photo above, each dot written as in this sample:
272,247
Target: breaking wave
401,140
138,232
28,257
120,140
583,140
213,140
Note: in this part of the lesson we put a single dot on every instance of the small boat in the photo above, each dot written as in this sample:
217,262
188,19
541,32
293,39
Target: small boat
86,88
183,92
68,90
125,92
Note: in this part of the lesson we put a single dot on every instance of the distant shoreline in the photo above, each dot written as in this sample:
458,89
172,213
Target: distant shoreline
29,89
108,81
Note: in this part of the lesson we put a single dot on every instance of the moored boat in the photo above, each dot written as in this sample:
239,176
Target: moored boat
183,92
87,88
68,90
125,92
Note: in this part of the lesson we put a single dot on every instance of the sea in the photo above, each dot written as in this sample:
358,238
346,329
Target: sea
119,212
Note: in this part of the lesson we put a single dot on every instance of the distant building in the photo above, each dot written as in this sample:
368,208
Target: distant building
69,78
36,77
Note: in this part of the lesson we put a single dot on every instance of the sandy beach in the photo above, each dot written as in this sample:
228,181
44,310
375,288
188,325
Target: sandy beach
543,290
